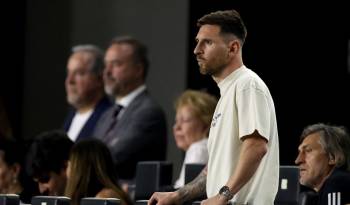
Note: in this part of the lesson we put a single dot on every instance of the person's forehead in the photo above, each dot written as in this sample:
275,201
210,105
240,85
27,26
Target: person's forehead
186,110
312,140
81,60
121,47
119,52
208,31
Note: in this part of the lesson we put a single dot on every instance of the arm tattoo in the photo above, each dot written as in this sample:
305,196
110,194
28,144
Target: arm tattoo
195,189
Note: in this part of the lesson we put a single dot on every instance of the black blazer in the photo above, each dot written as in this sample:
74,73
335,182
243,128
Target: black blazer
139,135
88,128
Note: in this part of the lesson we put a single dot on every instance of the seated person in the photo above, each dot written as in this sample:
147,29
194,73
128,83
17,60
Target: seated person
90,173
194,111
324,162
13,178
47,161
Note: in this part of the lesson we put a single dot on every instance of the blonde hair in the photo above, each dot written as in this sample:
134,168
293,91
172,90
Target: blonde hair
202,104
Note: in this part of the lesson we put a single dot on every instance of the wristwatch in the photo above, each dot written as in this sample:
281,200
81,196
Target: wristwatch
225,192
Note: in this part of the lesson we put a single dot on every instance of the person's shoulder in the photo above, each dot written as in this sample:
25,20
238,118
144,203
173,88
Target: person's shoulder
145,101
340,175
107,193
339,180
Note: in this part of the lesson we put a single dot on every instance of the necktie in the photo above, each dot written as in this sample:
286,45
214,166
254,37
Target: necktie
113,121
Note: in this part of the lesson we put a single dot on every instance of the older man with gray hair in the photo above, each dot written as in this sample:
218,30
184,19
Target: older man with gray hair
324,163
85,91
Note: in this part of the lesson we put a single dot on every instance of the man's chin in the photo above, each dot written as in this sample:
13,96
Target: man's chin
73,101
203,70
109,90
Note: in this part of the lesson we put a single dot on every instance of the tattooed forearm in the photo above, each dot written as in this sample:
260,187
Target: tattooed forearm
194,189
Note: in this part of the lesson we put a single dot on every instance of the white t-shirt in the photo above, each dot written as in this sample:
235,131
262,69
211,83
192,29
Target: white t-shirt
196,153
245,106
78,123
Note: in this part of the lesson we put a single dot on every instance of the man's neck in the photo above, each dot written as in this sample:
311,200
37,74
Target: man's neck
128,91
233,65
318,187
91,105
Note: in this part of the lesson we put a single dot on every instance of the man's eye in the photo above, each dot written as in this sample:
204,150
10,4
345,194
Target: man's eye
308,150
209,42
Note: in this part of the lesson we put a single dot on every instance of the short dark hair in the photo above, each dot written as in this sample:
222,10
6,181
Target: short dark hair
48,152
229,21
139,51
335,141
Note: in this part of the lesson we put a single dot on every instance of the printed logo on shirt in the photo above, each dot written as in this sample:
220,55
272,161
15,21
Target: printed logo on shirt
215,119
334,198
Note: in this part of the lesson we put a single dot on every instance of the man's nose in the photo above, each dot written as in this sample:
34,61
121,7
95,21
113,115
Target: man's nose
69,79
298,160
197,50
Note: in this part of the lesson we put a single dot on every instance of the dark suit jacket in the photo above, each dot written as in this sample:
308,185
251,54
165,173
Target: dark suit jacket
139,135
88,128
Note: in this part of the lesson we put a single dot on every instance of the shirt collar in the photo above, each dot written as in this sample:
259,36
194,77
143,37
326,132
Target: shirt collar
225,83
125,101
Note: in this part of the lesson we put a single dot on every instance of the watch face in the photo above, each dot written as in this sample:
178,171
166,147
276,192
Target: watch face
225,191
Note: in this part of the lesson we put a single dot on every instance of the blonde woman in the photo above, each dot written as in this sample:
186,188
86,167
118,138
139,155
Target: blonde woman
194,111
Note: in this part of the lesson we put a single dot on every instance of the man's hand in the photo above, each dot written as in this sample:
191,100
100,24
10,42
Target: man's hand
164,198
215,200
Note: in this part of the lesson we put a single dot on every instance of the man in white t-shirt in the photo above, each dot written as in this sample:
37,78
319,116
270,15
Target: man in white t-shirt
243,166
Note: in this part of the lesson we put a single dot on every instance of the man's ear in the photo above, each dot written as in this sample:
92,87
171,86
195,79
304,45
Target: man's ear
331,160
234,46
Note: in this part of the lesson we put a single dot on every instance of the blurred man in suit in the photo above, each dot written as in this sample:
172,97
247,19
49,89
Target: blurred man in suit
135,128
85,93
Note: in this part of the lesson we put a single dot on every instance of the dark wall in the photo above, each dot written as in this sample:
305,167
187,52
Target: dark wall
300,52
12,61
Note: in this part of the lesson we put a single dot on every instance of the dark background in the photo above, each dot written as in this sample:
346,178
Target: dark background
299,50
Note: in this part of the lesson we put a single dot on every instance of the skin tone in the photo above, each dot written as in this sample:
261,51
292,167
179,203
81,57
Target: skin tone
121,74
107,193
55,185
84,89
187,128
314,164
219,56
7,176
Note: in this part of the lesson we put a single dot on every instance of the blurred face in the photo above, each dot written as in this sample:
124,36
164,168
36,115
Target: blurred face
53,185
211,51
121,72
187,128
314,163
7,174
82,85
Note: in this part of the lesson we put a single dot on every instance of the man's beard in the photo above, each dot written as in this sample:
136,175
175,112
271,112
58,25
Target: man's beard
205,70
112,89
109,90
